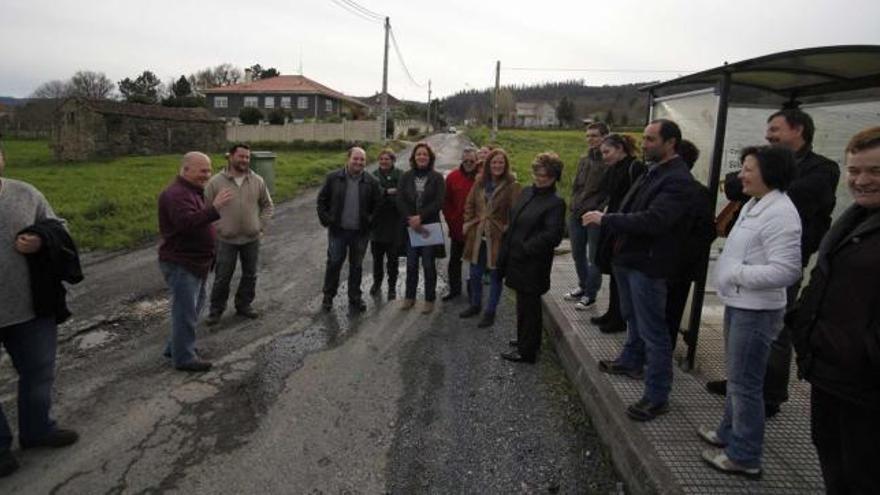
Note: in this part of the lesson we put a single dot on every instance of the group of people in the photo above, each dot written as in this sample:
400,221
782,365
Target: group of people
651,226
481,202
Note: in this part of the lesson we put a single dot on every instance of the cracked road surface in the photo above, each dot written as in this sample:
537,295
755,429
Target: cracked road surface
300,400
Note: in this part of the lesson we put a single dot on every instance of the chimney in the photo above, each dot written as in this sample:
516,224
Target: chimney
248,75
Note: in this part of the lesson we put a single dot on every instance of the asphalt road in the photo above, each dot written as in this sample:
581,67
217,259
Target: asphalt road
303,401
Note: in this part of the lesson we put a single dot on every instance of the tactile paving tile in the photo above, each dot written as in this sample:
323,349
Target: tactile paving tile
790,463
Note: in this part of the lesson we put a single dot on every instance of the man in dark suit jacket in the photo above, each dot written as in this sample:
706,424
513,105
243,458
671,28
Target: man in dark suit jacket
648,230
813,192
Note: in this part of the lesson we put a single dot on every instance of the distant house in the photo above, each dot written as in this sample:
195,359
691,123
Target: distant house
85,129
299,96
536,114
375,103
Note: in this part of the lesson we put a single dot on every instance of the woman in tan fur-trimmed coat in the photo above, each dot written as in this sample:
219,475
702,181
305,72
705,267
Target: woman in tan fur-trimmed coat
486,214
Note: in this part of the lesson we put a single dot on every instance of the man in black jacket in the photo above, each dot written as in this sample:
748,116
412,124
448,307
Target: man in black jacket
648,230
836,330
813,192
346,204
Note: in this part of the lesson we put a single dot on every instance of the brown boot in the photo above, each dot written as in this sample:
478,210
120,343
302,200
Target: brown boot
428,307
408,303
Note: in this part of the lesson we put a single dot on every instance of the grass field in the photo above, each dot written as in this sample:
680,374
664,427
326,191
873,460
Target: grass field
111,204
522,146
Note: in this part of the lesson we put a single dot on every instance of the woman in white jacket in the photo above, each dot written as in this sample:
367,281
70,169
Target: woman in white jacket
761,257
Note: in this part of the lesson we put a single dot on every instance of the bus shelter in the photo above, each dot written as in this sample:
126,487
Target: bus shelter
726,108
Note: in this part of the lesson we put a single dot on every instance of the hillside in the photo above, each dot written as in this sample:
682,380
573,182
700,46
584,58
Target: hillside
621,105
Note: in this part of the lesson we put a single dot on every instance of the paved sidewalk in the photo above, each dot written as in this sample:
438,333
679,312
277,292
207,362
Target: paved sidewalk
663,456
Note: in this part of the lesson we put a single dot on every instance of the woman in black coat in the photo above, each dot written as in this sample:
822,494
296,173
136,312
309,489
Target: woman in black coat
537,222
419,199
618,152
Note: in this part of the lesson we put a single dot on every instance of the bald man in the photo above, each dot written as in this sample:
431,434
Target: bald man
186,253
346,205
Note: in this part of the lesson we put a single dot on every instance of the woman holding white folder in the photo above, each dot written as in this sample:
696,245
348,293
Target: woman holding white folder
419,200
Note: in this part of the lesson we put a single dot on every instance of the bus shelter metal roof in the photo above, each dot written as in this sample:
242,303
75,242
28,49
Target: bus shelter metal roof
824,72
794,74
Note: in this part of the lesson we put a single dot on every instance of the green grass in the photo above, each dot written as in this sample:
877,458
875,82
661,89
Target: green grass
523,145
111,204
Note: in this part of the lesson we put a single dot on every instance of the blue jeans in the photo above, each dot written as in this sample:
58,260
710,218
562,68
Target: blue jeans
643,307
31,346
426,254
475,282
187,300
342,243
224,267
747,338
584,246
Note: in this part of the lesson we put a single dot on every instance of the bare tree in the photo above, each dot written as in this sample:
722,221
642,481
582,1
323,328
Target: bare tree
91,84
52,89
212,77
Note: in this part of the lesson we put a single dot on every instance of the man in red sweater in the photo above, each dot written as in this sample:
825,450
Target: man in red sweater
186,253
458,185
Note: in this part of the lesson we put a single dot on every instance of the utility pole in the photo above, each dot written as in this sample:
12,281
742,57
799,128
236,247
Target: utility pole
429,105
495,101
385,85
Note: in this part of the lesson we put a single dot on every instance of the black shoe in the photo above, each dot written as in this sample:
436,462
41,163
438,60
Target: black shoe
717,387
247,312
327,303
471,311
450,296
615,327
770,410
213,319
487,320
516,357
601,320
8,464
357,305
196,366
374,289
614,368
513,343
58,438
645,411
392,292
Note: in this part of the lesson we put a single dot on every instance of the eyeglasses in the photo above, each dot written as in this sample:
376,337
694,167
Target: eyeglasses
540,175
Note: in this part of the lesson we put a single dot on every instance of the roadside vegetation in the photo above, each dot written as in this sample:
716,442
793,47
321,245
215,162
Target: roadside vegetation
523,145
111,204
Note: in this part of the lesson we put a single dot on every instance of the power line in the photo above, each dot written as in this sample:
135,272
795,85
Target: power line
352,10
402,63
365,10
573,69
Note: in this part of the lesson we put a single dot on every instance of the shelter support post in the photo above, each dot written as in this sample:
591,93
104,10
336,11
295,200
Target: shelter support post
692,335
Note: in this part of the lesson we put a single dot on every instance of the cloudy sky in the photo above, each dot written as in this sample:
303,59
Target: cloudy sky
454,43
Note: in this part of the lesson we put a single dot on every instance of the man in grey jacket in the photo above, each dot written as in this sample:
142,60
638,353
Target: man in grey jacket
242,223
587,195
29,339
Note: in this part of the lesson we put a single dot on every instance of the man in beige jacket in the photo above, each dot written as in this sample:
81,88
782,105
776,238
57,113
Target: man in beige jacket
241,225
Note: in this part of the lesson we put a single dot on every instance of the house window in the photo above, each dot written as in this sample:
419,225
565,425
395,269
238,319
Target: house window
285,102
221,102
302,102
269,102
328,105
71,118
251,101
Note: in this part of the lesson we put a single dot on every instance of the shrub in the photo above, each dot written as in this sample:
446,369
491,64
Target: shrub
277,116
250,115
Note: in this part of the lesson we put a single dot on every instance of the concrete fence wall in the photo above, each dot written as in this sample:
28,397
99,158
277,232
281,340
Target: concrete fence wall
347,130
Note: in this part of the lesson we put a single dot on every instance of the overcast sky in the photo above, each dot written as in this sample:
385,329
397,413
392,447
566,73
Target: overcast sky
454,43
